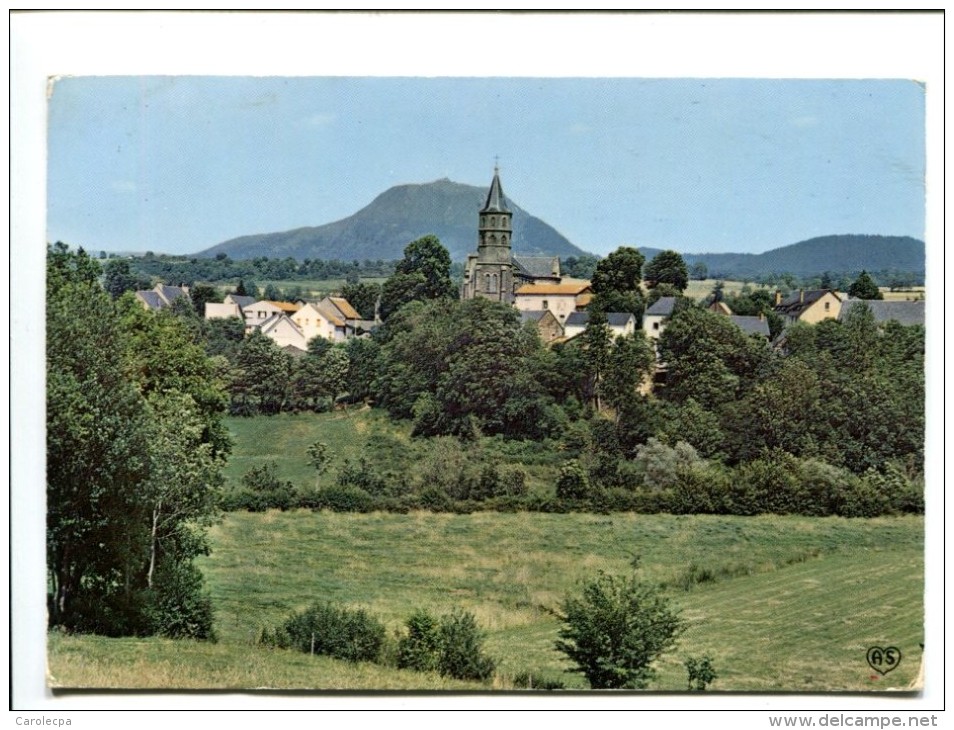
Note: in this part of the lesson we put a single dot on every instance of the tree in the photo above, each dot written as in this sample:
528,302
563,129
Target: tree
617,282
262,378
95,449
363,297
864,287
202,293
708,358
134,448
630,361
319,456
616,629
667,267
699,271
423,274
118,278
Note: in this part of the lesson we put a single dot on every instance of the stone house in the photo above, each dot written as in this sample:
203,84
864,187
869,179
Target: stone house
546,323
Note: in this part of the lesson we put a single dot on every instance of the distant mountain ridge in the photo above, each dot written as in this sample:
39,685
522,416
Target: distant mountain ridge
836,253
449,210
396,217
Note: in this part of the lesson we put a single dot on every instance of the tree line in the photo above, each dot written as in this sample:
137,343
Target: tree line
135,446
839,405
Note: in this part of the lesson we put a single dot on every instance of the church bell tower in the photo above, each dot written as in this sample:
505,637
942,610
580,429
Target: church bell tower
492,276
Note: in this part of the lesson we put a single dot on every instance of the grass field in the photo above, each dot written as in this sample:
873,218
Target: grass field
351,434
800,600
315,288
795,603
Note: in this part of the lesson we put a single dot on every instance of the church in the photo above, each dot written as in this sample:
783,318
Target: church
494,272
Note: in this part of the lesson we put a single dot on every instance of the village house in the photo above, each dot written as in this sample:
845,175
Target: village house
546,324
656,315
810,307
328,318
161,296
283,331
905,313
257,313
561,299
620,323
752,325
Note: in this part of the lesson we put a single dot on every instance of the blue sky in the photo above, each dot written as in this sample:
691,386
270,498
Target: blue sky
180,163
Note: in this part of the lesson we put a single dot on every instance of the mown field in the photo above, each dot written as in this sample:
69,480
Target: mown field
793,603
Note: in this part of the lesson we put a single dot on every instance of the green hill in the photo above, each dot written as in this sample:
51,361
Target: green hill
396,217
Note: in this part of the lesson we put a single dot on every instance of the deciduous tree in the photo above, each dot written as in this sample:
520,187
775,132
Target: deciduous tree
667,267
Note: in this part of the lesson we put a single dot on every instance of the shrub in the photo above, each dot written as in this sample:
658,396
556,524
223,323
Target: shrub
178,607
420,649
572,483
342,633
435,499
461,652
615,629
345,499
362,475
451,646
662,465
263,490
526,680
701,672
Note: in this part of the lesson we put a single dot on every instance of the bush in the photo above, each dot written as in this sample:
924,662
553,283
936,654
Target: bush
526,680
701,672
342,633
572,484
420,649
662,465
179,607
263,490
345,499
451,646
461,653
435,499
616,629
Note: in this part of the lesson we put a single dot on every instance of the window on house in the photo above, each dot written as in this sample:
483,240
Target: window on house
546,304
655,325
827,306
493,283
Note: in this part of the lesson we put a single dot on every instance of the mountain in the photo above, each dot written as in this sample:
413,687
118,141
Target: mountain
839,253
396,217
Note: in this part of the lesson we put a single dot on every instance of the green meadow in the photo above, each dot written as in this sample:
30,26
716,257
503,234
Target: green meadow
779,603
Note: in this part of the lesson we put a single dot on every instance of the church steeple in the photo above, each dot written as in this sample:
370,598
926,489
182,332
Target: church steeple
491,274
496,203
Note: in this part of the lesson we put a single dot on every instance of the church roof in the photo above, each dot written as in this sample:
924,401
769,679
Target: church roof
538,266
496,203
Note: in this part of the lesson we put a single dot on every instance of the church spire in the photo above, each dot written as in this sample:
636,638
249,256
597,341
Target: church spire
496,203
